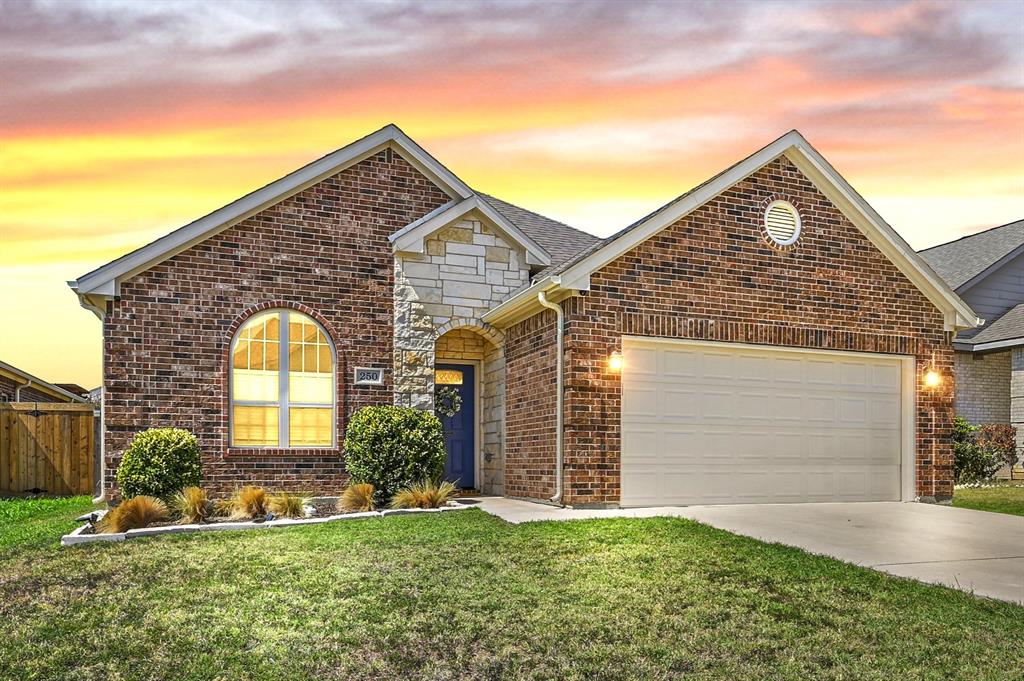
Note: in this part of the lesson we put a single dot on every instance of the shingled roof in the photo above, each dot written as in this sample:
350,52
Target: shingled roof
557,238
960,261
1007,327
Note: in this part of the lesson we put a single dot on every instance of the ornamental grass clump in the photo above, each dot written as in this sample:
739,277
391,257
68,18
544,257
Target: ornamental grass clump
249,502
424,494
287,505
357,498
192,505
134,513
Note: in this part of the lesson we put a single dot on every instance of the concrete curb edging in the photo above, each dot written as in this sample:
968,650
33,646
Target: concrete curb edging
78,536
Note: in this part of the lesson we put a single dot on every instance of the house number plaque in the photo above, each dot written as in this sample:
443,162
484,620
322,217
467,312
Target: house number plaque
366,376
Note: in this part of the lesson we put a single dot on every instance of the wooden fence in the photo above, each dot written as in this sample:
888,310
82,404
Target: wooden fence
46,448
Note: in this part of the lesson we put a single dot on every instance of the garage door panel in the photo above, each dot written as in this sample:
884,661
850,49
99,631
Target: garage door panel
714,425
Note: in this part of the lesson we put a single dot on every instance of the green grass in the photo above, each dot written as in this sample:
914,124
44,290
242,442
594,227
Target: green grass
1008,498
467,596
28,523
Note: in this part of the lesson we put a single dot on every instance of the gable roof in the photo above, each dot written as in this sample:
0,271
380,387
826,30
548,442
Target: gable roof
36,383
412,237
1004,332
966,260
102,283
573,275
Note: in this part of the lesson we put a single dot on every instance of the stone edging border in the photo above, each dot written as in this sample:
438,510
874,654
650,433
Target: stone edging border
77,537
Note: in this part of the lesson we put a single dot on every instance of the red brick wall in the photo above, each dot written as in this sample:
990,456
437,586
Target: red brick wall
712,276
530,408
324,251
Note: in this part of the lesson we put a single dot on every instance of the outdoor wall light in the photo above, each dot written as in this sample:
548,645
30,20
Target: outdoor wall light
615,362
932,379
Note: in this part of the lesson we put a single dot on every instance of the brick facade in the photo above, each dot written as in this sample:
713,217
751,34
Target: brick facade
530,408
323,251
983,386
712,276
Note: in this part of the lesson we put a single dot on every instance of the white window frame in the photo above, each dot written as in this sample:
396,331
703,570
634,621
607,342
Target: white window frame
796,215
283,404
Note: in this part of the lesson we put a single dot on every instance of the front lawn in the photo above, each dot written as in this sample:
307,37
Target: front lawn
467,596
1006,498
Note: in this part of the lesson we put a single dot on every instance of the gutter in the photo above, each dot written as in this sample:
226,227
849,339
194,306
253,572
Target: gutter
559,397
17,390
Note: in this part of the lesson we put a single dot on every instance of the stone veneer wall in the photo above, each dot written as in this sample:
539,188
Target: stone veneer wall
983,386
466,270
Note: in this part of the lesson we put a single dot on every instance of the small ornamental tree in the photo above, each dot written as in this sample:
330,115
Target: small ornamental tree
393,447
159,462
971,461
1000,439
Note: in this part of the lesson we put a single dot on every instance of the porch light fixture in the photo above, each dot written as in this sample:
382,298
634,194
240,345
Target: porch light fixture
615,362
932,379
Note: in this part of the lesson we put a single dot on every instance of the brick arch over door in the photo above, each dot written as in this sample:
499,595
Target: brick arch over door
496,337
341,371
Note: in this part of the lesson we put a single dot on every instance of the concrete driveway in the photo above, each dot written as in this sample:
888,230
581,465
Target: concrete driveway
973,551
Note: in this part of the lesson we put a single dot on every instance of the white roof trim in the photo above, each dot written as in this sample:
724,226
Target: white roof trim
412,237
577,277
104,281
991,345
36,382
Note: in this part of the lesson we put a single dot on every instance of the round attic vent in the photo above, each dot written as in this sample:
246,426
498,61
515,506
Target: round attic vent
782,223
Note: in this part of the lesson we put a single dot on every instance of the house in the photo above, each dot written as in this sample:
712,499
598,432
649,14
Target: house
20,386
987,271
764,337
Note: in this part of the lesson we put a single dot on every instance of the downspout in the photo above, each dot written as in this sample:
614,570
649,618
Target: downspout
559,399
17,390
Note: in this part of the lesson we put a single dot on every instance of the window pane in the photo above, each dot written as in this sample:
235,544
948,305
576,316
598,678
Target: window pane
255,426
309,426
310,387
273,328
255,386
309,364
295,329
273,362
241,358
310,332
447,377
325,359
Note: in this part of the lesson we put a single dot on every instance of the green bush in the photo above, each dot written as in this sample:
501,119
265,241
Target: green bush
159,462
972,462
393,447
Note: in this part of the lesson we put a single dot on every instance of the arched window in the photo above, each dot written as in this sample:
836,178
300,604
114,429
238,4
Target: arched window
282,387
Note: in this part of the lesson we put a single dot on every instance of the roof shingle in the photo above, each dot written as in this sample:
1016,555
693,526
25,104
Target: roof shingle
960,261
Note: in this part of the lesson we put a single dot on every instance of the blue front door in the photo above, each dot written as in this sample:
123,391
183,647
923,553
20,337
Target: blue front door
460,429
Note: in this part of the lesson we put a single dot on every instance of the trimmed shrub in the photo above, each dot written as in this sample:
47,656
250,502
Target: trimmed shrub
357,498
971,461
158,462
140,511
393,447
424,495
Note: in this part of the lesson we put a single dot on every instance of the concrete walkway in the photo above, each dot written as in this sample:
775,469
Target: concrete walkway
974,551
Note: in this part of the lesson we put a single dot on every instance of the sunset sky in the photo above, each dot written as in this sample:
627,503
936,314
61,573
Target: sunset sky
121,121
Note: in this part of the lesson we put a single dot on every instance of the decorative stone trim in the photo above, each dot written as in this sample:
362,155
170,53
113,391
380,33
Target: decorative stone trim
484,329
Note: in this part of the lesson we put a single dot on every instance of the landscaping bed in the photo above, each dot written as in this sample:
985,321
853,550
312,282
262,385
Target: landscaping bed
88,532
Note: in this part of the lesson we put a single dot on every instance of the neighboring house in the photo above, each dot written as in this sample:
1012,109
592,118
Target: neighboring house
20,386
987,271
764,337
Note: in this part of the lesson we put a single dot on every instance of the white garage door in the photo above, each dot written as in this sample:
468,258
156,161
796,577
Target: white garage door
712,424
